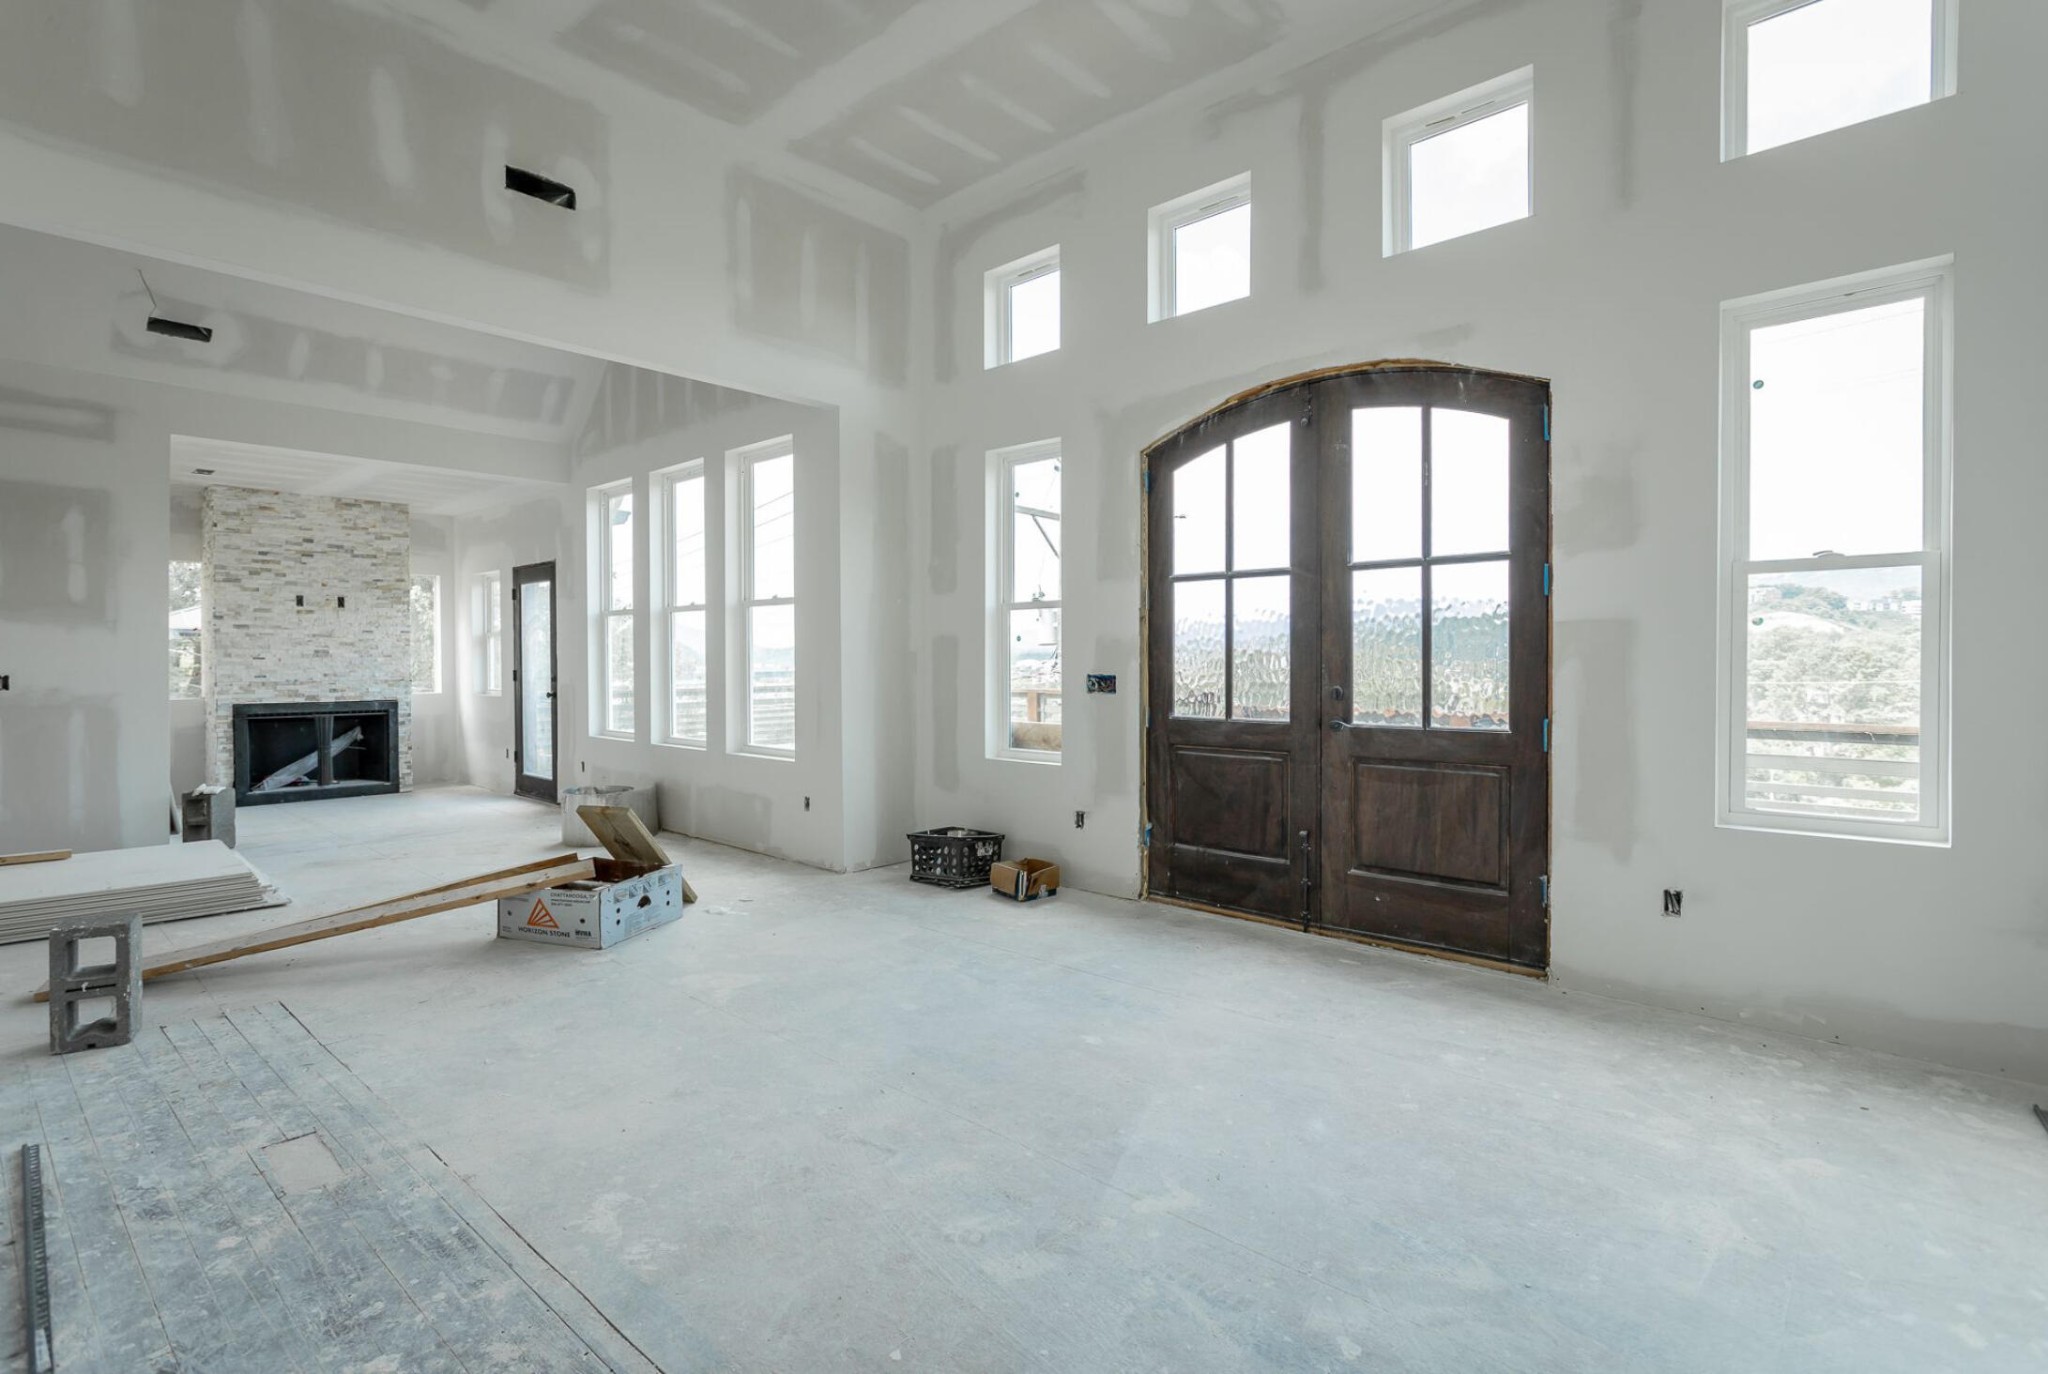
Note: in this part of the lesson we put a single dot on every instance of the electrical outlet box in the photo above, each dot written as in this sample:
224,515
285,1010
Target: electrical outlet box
1672,900
1080,819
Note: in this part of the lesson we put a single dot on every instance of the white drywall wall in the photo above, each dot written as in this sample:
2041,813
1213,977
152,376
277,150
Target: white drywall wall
1612,290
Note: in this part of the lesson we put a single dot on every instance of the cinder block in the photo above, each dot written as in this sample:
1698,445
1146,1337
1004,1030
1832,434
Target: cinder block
75,987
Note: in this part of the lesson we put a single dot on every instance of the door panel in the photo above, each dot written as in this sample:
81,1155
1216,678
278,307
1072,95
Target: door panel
1347,726
534,714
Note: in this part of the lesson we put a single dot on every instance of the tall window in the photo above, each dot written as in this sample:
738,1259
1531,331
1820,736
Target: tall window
1460,164
1796,68
684,573
1834,535
1202,249
488,616
768,593
426,634
1023,308
614,509
185,629
1025,666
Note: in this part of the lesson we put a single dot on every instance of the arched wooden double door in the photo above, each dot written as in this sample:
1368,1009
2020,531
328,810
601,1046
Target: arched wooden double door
1348,659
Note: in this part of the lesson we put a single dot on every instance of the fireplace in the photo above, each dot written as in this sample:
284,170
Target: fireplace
303,750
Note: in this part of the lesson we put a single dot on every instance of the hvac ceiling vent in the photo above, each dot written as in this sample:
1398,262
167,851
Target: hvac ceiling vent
539,187
178,329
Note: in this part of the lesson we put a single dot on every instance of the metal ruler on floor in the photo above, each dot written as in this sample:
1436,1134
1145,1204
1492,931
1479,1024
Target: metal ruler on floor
35,1268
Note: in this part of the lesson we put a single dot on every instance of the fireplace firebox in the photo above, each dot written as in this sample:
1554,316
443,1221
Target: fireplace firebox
302,750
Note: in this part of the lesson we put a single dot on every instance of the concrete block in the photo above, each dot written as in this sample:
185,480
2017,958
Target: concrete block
77,988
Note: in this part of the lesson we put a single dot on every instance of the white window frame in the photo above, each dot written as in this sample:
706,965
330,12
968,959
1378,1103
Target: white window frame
433,580
1002,463
1178,213
1403,131
1739,16
666,482
489,637
604,532
199,688
744,462
1932,281
999,324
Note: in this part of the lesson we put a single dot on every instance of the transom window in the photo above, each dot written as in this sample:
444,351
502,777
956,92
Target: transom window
613,509
1232,583
684,567
1026,666
1429,568
1460,164
1834,540
1202,249
1023,308
1796,68
768,596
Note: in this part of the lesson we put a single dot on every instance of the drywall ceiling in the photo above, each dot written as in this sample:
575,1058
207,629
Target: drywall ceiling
76,305
922,98
197,462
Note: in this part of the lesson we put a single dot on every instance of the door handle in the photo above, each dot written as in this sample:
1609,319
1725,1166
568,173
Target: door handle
1343,725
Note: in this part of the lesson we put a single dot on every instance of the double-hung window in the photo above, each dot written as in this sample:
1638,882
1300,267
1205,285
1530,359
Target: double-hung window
1460,164
186,580
1201,249
615,582
689,679
425,603
1023,308
767,488
488,615
1795,68
1834,540
1025,634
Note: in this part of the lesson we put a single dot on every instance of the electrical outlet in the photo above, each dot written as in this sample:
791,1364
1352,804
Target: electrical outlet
1672,899
508,753
583,767
807,803
1080,819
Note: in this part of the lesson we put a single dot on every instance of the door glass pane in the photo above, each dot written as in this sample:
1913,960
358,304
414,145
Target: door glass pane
1468,646
536,672
687,676
1836,433
1386,483
1260,647
1833,693
1261,469
772,484
1198,515
1386,647
771,677
1198,649
1468,483
618,674
1035,679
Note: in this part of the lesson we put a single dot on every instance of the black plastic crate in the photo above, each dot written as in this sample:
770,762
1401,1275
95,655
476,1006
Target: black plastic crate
953,856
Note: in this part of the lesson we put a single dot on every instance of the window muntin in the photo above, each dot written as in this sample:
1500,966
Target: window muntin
1202,249
1834,515
1231,584
424,601
1023,306
685,577
616,603
1461,164
186,677
1027,664
489,619
768,596
1797,68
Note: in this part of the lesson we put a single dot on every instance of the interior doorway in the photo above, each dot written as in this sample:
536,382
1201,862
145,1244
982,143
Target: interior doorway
1348,659
533,681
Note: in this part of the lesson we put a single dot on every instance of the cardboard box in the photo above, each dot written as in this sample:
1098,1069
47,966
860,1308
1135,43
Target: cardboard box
624,900
1025,879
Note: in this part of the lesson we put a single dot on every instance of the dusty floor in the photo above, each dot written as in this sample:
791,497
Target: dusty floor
853,1123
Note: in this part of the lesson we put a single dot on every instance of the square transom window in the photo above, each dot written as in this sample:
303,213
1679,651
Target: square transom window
1796,68
1202,249
1023,305
1460,164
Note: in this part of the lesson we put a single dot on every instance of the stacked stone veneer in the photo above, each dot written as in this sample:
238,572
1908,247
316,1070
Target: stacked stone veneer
265,549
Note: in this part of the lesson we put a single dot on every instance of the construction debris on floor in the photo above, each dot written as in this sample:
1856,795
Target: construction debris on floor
166,882
76,985
638,888
224,1194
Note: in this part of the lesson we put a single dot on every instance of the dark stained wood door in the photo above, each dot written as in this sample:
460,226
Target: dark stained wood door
1233,607
1350,731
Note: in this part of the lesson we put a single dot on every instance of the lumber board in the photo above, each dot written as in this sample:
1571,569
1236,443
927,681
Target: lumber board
43,856
487,887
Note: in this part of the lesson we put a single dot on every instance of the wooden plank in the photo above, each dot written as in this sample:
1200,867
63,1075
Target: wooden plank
625,837
489,887
43,856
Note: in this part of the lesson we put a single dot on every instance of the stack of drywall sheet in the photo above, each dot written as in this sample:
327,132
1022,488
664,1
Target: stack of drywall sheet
165,882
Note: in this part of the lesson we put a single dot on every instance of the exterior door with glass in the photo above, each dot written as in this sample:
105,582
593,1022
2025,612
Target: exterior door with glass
533,681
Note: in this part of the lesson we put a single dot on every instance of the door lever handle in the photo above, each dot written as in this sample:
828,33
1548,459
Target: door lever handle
1342,725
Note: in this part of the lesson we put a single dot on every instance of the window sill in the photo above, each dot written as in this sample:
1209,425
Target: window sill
766,755
700,746
615,735
1203,311
1757,823
1040,757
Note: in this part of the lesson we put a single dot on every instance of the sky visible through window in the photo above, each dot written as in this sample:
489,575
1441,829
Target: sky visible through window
1837,62
1212,260
1469,178
1035,316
